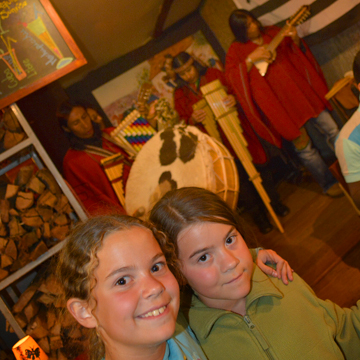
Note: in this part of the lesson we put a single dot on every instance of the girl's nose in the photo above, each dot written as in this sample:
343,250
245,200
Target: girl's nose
152,287
228,260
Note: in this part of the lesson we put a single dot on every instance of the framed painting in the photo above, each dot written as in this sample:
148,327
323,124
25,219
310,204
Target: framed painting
118,96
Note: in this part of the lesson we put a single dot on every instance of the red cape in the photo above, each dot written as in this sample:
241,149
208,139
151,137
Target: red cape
89,181
291,92
185,98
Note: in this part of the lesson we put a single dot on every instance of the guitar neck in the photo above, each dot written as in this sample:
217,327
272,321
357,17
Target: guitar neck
275,42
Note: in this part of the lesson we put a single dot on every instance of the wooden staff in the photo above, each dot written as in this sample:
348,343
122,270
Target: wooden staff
229,122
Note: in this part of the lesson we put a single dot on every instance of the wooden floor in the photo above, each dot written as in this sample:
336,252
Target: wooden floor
321,241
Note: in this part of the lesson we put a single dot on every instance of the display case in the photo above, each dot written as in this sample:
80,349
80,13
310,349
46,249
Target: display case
25,154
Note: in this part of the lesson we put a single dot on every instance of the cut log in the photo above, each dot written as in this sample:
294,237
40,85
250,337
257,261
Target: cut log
63,206
61,219
20,262
24,200
47,178
15,228
31,309
24,299
11,190
68,320
12,138
45,213
13,212
3,274
60,232
47,198
21,319
40,249
46,299
44,344
61,356
51,317
50,285
4,210
75,333
36,185
3,243
46,230
56,329
24,175
6,261
36,329
55,342
27,240
3,230
32,218
11,249
8,327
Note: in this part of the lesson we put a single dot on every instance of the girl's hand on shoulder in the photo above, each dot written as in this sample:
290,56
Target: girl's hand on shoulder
283,270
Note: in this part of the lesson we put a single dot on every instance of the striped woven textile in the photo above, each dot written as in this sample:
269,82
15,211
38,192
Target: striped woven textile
328,17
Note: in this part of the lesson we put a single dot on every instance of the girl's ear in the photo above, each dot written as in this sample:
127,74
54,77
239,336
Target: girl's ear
81,311
65,128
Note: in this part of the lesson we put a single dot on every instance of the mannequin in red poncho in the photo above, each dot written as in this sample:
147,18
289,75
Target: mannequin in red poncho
279,104
81,164
191,75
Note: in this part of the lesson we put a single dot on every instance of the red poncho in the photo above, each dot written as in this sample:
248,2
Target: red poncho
184,99
291,92
89,181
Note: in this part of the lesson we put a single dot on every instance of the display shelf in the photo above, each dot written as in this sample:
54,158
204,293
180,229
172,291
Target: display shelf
41,159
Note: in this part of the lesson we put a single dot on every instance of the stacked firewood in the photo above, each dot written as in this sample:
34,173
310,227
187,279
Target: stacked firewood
34,215
42,316
11,132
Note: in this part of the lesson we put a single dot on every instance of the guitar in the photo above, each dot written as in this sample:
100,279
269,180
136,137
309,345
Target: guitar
300,16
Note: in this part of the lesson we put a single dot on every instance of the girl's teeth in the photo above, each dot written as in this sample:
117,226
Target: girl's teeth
155,312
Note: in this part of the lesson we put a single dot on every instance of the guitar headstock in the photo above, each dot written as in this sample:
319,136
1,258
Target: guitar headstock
300,16
145,92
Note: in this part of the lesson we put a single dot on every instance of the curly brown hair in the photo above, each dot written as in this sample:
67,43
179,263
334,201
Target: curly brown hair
78,259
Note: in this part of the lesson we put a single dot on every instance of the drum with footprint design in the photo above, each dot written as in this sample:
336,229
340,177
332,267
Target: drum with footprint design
179,157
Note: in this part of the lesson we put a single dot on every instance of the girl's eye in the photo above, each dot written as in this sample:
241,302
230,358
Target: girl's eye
203,258
230,240
158,266
122,281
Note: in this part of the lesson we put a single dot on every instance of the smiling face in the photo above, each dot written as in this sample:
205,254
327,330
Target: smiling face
137,297
217,264
79,123
189,74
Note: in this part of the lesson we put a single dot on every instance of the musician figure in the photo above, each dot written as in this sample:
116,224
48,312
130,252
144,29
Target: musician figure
191,75
281,103
81,165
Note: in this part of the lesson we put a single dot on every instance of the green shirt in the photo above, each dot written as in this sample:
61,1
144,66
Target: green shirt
285,322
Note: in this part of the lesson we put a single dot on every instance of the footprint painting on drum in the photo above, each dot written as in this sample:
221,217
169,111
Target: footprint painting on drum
175,158
168,151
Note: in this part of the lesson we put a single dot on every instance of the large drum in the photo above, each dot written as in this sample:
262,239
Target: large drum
175,158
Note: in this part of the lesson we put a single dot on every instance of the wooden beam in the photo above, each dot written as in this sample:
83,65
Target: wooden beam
165,8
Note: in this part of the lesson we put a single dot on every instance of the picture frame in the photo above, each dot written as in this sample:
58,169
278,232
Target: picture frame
35,49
